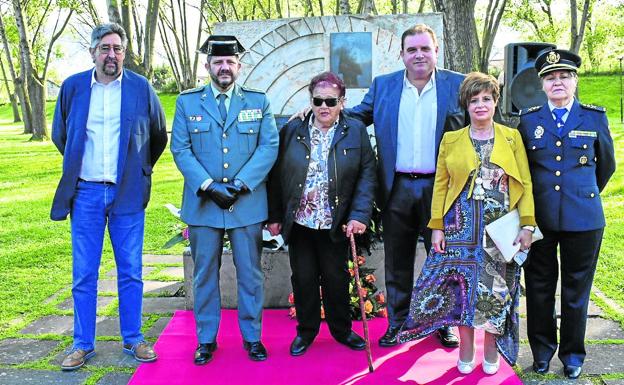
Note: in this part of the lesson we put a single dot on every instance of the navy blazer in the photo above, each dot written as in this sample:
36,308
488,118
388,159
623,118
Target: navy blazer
351,173
569,170
380,107
142,138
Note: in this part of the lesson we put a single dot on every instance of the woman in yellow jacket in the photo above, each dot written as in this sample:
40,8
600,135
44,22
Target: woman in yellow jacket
482,173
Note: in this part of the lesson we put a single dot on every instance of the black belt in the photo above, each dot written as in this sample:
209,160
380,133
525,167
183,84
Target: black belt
96,181
415,175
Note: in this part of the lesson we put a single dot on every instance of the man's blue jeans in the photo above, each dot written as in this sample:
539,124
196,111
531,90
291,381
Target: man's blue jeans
91,211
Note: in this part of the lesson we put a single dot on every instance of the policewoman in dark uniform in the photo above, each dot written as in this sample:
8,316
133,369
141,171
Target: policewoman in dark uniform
571,158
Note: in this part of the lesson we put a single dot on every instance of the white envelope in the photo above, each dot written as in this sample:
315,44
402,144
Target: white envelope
504,230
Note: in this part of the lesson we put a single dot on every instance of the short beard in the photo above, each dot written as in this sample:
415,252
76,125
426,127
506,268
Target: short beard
223,84
108,72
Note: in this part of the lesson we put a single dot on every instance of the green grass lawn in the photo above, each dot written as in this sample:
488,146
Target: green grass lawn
35,252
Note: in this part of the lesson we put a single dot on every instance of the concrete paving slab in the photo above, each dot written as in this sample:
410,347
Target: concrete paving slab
15,351
108,353
158,327
115,378
176,272
592,311
54,324
109,326
614,382
161,305
597,329
168,259
161,288
102,302
146,270
152,287
41,377
601,359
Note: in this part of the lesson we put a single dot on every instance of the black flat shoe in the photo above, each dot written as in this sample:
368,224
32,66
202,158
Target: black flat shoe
204,352
353,341
541,367
572,372
255,350
299,346
447,338
389,339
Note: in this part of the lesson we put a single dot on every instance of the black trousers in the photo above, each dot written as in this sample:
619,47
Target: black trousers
315,260
578,255
404,219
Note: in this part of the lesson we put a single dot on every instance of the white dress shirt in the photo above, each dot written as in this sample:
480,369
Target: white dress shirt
417,128
99,162
568,107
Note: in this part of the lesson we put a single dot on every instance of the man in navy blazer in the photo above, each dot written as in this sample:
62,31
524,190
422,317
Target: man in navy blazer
110,128
401,106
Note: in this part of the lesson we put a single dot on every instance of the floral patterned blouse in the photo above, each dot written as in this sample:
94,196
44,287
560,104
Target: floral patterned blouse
314,210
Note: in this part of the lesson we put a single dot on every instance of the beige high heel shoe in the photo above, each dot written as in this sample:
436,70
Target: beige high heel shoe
491,368
466,367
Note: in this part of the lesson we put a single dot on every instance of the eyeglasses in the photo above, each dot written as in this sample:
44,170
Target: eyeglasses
105,49
329,102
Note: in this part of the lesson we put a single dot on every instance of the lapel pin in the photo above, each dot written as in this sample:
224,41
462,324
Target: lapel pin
539,132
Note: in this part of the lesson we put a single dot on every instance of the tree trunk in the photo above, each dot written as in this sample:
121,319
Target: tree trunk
151,23
32,85
493,16
577,32
460,34
367,6
113,12
16,115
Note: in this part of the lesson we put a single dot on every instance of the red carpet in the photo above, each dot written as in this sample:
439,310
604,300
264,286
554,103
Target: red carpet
325,363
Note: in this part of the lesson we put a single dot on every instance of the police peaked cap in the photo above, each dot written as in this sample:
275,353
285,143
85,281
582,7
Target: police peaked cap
222,45
557,60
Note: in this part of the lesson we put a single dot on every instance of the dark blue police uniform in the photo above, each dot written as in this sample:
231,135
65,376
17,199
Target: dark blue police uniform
569,168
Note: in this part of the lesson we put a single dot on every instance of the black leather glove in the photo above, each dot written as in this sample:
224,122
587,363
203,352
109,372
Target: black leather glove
223,194
239,186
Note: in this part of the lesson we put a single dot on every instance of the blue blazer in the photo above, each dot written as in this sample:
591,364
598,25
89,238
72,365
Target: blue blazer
380,107
243,147
569,170
142,138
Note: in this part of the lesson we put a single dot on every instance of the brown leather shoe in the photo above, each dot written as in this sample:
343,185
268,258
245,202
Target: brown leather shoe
76,359
141,351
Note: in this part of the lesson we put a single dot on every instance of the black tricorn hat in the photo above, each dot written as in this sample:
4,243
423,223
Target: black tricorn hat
556,60
222,45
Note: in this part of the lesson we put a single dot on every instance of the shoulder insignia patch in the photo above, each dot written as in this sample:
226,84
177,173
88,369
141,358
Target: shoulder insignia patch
249,89
525,111
192,90
593,107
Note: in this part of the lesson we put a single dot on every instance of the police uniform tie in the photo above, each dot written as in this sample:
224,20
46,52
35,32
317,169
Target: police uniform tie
559,112
222,110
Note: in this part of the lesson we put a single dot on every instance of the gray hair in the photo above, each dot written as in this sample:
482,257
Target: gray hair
106,29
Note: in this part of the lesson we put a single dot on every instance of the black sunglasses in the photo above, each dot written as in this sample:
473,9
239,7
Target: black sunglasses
329,102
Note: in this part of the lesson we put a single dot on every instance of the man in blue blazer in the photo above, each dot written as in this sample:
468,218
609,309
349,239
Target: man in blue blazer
410,110
110,128
571,157
224,142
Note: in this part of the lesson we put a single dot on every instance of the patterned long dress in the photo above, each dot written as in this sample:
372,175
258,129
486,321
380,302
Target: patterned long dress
471,284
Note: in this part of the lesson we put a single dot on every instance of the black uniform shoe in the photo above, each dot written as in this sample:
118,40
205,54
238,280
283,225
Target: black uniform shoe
255,350
447,338
389,339
203,354
299,346
572,372
353,341
541,367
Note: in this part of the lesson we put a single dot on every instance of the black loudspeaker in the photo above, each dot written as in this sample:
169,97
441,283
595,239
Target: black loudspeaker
522,87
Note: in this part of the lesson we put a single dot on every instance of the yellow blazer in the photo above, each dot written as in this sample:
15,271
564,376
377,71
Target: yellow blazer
458,159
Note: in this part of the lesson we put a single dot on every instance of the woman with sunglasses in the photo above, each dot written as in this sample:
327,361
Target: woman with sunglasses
323,180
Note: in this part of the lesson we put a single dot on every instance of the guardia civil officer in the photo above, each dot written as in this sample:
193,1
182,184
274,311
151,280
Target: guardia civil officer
224,142
571,158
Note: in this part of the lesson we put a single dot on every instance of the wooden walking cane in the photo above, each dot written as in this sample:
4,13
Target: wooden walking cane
358,286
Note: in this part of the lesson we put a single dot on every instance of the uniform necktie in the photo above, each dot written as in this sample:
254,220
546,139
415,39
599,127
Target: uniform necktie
222,110
559,112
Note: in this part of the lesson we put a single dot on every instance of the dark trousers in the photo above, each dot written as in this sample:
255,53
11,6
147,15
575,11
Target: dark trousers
578,255
315,260
404,218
